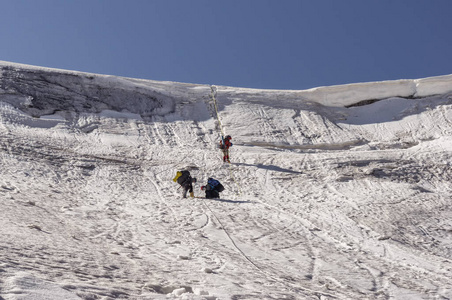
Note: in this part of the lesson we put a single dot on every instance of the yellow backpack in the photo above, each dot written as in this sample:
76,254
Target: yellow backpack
178,174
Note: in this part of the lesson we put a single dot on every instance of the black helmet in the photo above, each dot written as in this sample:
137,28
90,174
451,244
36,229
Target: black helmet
228,137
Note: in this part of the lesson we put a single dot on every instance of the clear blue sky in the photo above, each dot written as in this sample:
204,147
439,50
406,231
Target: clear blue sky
272,44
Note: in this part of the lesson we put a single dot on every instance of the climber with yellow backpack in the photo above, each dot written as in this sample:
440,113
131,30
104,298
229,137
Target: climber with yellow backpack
184,179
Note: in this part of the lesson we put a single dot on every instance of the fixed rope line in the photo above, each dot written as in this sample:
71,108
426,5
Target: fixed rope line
247,258
232,241
213,92
264,272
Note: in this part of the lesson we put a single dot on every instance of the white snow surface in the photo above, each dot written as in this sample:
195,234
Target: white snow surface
324,198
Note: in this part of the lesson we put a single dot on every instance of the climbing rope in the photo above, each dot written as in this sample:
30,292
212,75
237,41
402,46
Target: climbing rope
213,92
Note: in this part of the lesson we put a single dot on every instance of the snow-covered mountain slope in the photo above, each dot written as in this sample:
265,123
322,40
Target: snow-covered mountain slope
331,194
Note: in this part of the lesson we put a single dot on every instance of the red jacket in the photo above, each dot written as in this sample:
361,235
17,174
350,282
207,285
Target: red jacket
226,145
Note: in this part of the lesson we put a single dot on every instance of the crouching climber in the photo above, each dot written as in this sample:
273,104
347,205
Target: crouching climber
213,188
186,182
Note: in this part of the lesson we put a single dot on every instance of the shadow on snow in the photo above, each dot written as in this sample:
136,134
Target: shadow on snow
269,167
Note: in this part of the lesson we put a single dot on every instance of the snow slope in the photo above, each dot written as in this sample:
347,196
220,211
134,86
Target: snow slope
331,194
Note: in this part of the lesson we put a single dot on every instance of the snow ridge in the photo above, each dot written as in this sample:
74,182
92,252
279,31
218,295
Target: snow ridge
321,201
